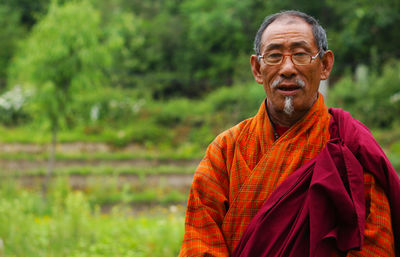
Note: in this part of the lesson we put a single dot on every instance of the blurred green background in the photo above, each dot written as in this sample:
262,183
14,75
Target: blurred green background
107,106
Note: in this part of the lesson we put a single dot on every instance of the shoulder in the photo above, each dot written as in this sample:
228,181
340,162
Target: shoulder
360,141
229,138
350,130
222,148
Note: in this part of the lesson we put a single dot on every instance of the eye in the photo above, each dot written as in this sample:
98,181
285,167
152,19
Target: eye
301,58
274,56
301,54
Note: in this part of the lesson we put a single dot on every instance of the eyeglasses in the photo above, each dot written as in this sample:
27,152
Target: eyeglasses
300,58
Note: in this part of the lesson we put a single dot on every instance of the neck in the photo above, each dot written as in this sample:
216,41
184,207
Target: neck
281,118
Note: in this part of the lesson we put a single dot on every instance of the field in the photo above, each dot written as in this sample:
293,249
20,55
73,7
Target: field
104,201
118,189
120,183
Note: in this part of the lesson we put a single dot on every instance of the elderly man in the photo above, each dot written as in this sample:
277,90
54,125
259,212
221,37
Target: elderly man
297,179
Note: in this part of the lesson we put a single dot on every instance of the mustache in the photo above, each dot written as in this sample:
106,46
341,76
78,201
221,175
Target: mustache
277,82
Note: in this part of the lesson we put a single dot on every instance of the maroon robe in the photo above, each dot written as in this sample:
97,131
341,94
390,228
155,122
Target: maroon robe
321,206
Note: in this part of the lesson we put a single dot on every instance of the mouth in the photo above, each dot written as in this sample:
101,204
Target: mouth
288,89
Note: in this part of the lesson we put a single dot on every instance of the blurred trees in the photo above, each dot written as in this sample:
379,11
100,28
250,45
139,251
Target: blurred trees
366,32
11,31
373,97
172,48
65,53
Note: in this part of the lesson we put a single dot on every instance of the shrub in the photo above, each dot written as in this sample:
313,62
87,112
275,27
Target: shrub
374,99
240,102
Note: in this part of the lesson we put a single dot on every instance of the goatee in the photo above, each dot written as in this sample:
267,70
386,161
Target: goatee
288,109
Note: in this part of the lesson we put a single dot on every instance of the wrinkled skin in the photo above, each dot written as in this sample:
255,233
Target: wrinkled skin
288,35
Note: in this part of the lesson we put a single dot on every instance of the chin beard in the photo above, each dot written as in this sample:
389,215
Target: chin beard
288,109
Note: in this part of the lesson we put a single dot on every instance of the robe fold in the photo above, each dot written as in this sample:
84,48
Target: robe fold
242,168
321,206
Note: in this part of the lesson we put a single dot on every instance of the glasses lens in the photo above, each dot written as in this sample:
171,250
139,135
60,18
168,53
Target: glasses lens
301,58
273,59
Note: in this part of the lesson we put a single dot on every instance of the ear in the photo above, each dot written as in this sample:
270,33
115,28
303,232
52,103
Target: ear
327,64
255,67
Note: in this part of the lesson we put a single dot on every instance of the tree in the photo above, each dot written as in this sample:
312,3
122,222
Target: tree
124,33
10,32
214,39
29,11
365,32
65,53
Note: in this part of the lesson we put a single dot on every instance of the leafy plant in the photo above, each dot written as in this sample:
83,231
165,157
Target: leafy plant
63,53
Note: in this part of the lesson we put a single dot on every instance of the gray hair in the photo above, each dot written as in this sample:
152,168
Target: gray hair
318,32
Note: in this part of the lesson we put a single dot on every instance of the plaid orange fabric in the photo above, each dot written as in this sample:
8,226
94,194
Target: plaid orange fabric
240,170
378,235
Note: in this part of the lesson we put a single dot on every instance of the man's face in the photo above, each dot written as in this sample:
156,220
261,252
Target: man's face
289,35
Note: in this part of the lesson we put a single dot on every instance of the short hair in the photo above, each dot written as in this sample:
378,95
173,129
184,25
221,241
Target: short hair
317,30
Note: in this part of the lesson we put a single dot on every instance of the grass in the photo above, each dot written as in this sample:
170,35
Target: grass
70,222
110,190
88,170
183,152
148,197
66,225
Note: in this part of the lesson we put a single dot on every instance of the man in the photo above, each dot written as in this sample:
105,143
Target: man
296,179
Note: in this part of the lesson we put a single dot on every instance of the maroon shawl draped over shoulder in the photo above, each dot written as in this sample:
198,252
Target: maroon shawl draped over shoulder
320,207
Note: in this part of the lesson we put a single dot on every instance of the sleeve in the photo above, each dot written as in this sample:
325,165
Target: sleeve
207,206
378,235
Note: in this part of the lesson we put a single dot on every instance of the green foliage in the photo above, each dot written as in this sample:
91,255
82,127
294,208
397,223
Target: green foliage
394,153
67,45
176,111
108,105
175,48
366,32
125,35
29,11
10,32
215,38
372,98
121,117
240,102
115,71
65,225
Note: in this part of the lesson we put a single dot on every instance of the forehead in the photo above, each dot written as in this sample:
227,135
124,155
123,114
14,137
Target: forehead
286,32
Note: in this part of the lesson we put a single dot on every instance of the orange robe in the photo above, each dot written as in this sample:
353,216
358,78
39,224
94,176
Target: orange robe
244,165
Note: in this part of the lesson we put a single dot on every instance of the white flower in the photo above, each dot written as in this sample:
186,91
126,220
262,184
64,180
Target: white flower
395,98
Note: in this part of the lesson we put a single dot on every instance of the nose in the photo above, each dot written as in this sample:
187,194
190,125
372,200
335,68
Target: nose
288,68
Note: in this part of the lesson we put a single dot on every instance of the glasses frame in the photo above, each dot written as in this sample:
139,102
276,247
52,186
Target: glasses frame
312,58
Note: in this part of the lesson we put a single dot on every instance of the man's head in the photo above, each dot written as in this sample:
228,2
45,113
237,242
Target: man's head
318,32
292,57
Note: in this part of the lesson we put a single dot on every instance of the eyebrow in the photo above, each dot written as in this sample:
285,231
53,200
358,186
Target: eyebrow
273,46
301,43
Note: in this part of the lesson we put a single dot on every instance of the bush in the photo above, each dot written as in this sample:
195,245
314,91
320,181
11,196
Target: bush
374,99
69,227
110,105
240,102
174,111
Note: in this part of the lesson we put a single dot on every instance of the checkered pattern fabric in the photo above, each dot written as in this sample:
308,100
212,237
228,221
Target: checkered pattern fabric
240,170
